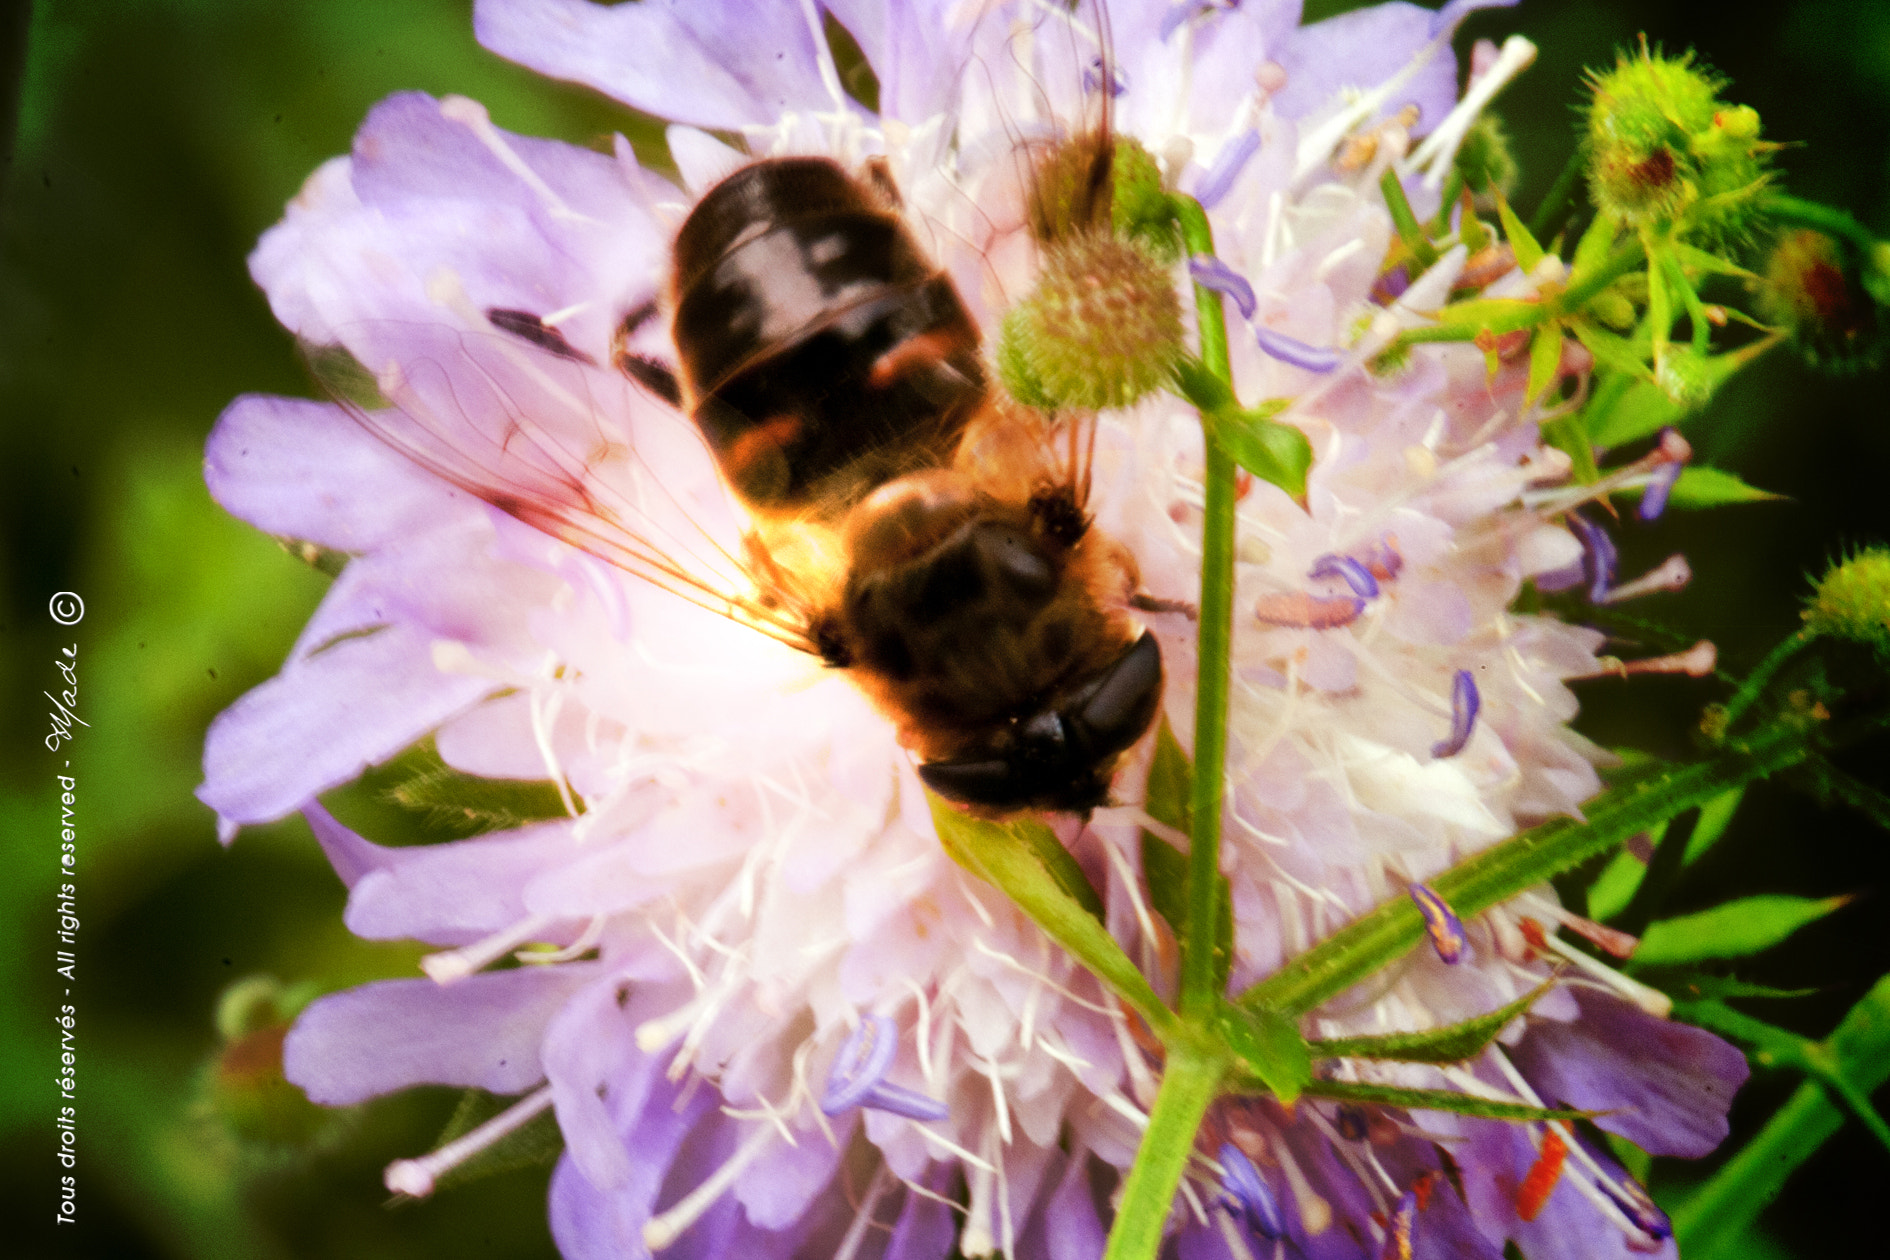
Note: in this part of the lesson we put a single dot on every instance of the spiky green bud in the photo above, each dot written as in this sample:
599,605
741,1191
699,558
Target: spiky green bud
1686,377
1665,150
1101,329
1852,600
1811,290
1485,162
1078,190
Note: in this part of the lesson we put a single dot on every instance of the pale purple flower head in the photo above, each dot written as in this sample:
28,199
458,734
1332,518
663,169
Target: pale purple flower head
778,1020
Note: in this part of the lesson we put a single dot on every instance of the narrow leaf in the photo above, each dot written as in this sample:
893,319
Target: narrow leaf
1405,221
1611,350
1526,859
1642,409
1453,1043
1439,1100
1545,355
1026,862
1165,867
1732,930
1592,251
1699,260
1614,888
1269,1046
1701,487
1271,451
1497,315
1528,252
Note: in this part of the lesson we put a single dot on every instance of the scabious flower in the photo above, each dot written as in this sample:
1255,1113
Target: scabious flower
774,1018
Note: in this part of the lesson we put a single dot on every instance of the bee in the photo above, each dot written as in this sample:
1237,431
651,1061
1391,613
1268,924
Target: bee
907,522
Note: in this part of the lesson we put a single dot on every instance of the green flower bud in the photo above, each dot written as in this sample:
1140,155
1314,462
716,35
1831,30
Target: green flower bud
1665,150
1101,329
1076,185
243,1085
1485,163
1852,600
1812,292
1686,377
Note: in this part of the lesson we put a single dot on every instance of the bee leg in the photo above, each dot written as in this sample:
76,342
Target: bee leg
1142,601
877,175
528,327
653,374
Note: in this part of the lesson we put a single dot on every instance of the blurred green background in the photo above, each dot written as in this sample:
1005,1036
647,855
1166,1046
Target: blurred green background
155,140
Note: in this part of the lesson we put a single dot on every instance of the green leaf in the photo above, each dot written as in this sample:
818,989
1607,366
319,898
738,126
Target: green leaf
469,805
1165,867
1438,1100
1592,251
1614,888
1405,221
1271,451
1695,259
1528,252
1027,863
1497,315
1611,350
1698,986
1545,355
1701,487
1643,409
535,1144
1453,1043
1269,1046
1472,886
1732,930
1722,1210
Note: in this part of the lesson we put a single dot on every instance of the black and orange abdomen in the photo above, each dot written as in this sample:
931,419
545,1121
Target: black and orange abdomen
823,353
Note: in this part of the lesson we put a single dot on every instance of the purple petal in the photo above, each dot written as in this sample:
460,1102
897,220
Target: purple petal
927,1227
1298,353
1248,1195
324,720
1464,705
1348,570
1441,923
677,59
1360,50
1228,164
1455,11
483,1032
913,49
453,894
1664,1086
1210,272
301,469
350,855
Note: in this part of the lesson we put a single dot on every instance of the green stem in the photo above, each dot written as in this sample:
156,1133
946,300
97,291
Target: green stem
1723,1209
1826,219
1558,195
1370,942
1627,256
1215,634
1756,681
1190,1079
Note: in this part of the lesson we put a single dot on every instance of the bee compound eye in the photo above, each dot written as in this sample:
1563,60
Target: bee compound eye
1042,735
1115,714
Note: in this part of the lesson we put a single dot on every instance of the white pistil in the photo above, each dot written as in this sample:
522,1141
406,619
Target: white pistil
416,1177
1439,149
1651,1000
1672,575
863,1217
471,115
663,1230
1697,661
586,941
450,965
546,703
1584,1185
1315,1213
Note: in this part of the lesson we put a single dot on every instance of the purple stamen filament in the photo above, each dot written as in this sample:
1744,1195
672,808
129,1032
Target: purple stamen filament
857,1076
1350,571
1228,164
1464,704
1211,273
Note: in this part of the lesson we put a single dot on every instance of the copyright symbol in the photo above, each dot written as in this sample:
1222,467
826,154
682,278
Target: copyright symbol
66,608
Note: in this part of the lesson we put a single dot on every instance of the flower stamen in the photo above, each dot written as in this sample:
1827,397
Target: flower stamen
416,1178
1465,702
857,1076
1441,923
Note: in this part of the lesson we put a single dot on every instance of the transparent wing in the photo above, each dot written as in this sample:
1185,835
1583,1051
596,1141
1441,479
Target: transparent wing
575,450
